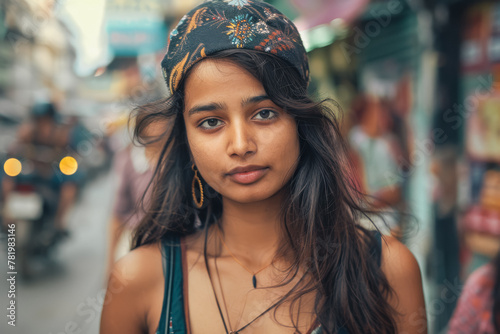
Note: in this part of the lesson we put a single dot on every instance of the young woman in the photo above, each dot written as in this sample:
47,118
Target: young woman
252,226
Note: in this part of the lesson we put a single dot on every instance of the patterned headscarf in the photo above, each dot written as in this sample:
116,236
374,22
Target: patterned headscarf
218,25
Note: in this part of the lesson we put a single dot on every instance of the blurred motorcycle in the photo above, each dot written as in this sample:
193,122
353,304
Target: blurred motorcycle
32,205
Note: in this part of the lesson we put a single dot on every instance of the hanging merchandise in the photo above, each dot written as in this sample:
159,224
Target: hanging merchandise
480,114
483,129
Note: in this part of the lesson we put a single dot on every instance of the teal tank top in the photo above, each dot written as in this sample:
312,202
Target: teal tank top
173,302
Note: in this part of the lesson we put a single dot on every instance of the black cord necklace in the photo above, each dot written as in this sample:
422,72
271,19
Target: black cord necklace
217,300
254,273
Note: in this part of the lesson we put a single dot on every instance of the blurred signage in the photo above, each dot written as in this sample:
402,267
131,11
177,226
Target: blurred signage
317,12
483,130
135,27
136,37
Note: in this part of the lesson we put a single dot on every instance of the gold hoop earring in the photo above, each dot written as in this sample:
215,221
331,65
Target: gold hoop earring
199,203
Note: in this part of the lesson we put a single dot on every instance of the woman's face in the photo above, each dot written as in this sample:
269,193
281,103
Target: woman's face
244,146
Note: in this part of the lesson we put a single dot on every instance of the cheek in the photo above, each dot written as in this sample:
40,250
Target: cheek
205,156
283,144
195,143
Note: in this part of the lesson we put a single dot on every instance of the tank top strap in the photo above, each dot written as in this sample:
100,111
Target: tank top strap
172,318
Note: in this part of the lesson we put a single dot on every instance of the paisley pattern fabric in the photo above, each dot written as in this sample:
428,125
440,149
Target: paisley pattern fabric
231,24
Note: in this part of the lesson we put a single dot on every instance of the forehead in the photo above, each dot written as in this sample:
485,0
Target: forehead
216,70
219,79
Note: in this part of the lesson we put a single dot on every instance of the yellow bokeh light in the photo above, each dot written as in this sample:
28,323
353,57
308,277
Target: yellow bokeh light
12,167
68,165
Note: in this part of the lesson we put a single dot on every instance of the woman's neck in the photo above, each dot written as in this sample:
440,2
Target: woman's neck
252,231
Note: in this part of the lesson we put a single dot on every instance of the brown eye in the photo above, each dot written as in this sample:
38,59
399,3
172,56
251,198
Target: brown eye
266,114
210,123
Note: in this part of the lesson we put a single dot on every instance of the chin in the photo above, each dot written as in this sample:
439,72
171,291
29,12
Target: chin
247,200
248,196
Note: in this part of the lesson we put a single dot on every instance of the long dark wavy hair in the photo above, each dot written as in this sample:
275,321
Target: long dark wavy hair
320,213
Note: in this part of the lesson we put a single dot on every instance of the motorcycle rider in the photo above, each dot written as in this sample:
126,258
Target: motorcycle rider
44,130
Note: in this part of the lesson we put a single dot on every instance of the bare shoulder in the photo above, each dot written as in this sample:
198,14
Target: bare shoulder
397,260
141,265
131,290
403,274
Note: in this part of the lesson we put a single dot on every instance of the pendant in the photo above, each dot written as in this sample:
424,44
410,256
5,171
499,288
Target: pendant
254,281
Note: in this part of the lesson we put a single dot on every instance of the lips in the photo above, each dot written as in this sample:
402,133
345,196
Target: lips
247,174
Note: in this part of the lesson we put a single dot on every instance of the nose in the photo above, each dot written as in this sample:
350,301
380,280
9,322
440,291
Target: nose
241,140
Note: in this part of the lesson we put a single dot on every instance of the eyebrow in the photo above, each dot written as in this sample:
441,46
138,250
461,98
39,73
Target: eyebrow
255,99
218,106
205,107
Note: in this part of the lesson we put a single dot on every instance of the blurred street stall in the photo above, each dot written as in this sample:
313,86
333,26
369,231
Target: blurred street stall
416,83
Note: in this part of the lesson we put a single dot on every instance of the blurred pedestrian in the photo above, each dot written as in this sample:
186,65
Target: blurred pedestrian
133,169
377,152
478,308
133,174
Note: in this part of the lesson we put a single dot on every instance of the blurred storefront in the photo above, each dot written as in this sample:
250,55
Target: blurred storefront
37,57
477,119
377,61
466,163
427,73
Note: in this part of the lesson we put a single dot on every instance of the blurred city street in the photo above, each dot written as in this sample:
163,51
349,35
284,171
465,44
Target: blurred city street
66,299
